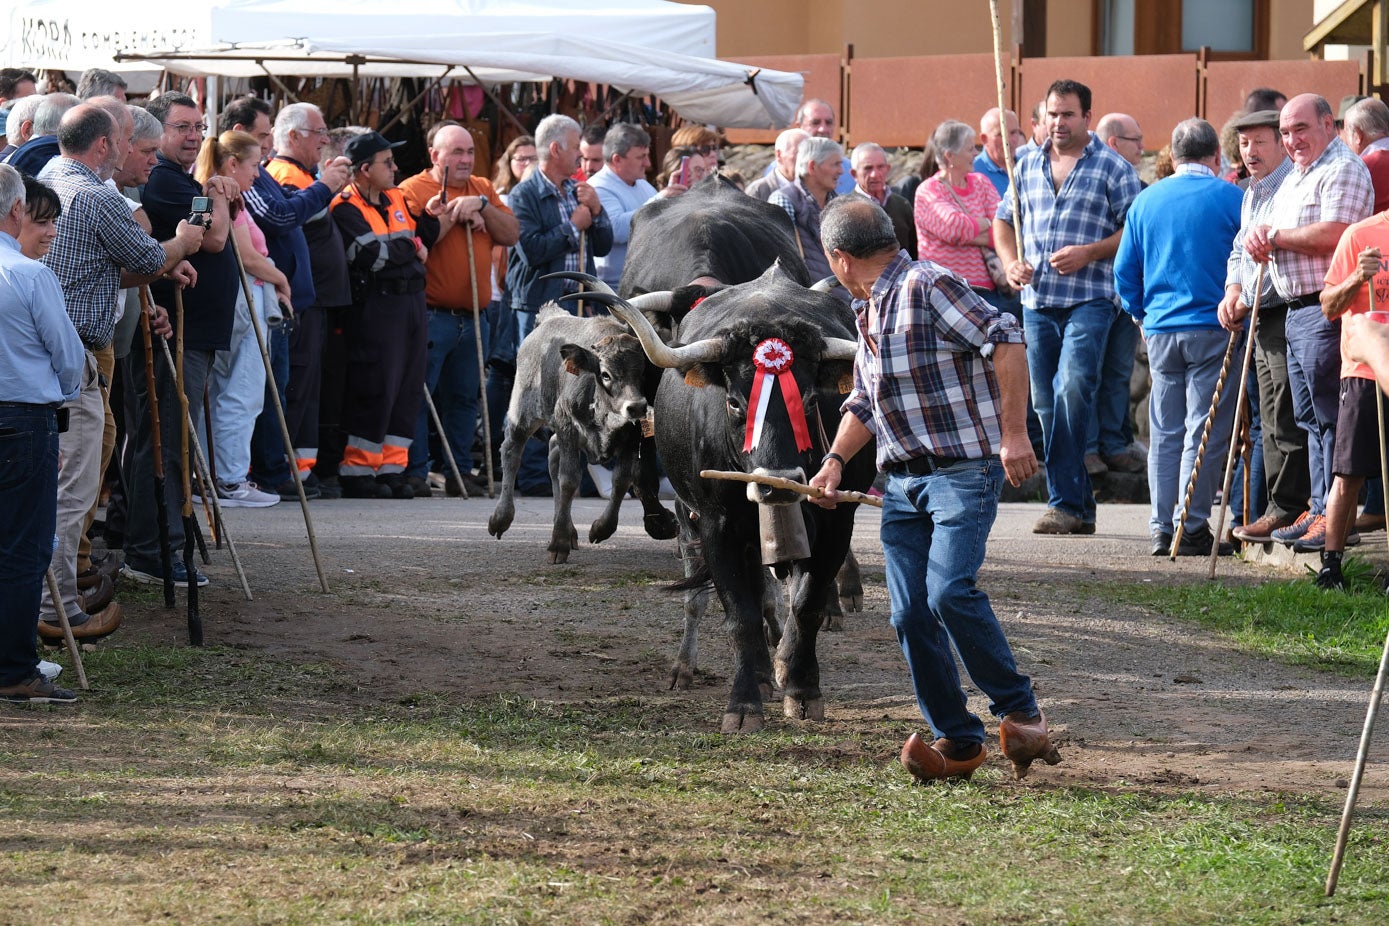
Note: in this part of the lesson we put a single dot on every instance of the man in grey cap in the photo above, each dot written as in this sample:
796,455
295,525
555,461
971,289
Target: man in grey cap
1284,443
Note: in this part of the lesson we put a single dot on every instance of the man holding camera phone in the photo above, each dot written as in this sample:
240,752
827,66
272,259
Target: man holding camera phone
209,306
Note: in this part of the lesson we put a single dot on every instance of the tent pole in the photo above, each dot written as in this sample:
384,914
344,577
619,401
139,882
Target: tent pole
495,99
415,102
279,83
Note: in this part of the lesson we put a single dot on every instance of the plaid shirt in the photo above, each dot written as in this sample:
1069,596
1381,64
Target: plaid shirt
1335,188
568,202
97,238
1255,210
1090,207
923,382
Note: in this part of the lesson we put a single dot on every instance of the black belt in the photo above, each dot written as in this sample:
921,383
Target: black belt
456,313
43,406
923,465
1305,301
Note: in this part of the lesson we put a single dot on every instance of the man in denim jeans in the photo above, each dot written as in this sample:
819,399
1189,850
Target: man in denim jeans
940,380
1075,191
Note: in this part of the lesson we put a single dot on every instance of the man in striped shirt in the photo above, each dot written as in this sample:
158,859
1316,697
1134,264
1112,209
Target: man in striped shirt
940,379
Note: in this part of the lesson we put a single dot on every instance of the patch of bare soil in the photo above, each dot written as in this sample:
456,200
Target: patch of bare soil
425,602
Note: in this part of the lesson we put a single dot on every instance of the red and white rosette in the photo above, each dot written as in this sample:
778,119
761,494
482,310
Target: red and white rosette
772,360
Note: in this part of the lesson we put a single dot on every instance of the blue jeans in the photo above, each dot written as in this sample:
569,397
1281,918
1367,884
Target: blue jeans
453,379
1111,431
1185,366
28,520
1012,305
1064,346
1314,371
269,459
934,529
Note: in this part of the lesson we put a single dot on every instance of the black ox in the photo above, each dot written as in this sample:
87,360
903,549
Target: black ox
701,415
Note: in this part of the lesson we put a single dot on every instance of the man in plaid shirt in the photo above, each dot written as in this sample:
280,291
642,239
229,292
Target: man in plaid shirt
1328,190
940,379
1075,192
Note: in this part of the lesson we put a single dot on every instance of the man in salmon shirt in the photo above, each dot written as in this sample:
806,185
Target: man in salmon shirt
1355,456
444,219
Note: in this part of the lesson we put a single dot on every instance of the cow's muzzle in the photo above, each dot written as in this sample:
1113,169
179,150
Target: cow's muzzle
771,495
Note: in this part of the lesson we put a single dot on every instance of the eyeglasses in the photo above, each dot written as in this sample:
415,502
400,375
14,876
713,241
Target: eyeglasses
1136,139
705,150
524,159
186,128
318,131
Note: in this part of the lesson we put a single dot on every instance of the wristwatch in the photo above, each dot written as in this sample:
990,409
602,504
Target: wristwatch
831,456
482,204
1273,236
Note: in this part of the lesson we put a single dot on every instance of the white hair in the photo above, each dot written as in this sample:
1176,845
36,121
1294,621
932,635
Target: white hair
22,112
293,118
147,127
816,150
863,150
11,189
555,128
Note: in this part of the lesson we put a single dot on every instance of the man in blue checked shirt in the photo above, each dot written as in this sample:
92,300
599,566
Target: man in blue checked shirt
1075,193
940,379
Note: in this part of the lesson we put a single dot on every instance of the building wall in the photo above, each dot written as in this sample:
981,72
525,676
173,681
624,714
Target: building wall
932,27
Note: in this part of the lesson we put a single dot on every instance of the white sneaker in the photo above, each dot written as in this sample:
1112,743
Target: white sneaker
49,670
245,495
602,479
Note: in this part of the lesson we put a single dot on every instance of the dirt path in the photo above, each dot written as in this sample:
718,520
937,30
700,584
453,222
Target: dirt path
425,601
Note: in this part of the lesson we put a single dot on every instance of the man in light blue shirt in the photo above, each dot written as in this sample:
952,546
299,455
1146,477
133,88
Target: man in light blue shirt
989,161
623,189
41,364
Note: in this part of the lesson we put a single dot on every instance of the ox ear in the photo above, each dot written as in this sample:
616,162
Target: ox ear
684,299
577,360
697,376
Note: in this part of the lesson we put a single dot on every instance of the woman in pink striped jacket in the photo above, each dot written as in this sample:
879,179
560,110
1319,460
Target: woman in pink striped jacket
954,209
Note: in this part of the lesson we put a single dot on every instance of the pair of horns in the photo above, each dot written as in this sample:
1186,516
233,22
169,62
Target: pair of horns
658,351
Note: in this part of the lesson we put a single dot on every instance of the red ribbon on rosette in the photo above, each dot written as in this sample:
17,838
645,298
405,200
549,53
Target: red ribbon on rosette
773,359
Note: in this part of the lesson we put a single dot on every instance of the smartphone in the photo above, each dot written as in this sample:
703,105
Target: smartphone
683,176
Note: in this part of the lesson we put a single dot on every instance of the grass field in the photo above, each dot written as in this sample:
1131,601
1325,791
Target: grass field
205,786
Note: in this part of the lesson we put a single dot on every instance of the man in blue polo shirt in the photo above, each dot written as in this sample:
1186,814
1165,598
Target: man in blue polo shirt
1075,193
989,161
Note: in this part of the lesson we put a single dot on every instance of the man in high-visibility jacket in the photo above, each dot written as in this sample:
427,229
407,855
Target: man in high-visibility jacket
388,334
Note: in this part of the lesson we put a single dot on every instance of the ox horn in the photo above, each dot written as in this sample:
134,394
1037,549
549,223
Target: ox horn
646,302
839,349
826,285
657,351
653,302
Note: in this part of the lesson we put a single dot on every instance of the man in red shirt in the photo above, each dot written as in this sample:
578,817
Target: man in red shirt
450,204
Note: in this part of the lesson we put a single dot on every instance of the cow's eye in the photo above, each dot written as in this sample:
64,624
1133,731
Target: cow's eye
606,377
735,404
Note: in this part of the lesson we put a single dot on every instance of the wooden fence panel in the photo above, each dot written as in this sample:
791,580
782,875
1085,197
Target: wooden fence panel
821,80
900,101
1157,90
1229,82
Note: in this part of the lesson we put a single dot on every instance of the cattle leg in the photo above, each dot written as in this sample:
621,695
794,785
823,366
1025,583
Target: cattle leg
696,602
512,445
773,605
624,468
851,585
812,583
660,524
739,578
565,473
834,612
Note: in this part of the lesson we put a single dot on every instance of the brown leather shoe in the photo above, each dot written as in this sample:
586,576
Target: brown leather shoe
91,576
1365,523
1024,740
100,624
932,763
98,596
1261,531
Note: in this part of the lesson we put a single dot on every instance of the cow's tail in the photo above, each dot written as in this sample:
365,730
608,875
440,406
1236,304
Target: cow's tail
703,578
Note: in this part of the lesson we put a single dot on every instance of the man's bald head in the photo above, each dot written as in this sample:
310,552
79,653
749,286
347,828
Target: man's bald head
85,135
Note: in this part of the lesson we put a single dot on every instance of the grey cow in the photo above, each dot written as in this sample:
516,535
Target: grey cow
582,378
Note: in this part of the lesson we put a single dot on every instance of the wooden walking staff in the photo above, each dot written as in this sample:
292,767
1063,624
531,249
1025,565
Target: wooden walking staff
1362,753
582,308
1003,128
780,482
428,396
73,649
1201,450
279,413
205,475
1219,527
161,507
195,619
481,366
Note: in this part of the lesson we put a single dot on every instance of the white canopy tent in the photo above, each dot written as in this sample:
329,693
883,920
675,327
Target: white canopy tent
643,46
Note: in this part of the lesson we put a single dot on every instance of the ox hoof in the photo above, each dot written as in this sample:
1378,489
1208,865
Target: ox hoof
833,622
852,604
744,721
601,530
681,677
661,525
798,709
497,526
558,557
